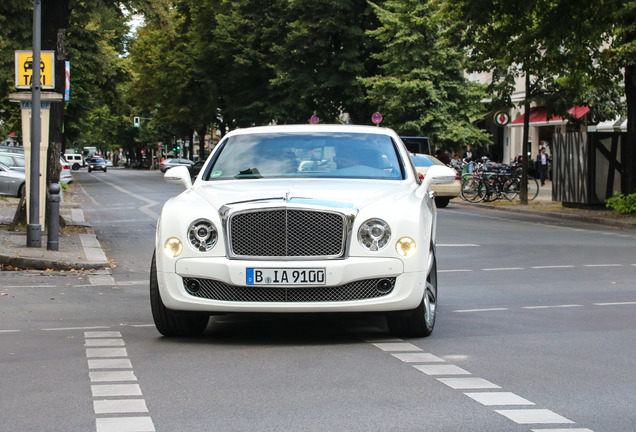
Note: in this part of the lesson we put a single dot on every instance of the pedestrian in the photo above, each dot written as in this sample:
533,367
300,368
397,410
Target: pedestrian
468,154
542,165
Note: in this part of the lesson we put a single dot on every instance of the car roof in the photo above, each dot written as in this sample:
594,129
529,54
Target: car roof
320,128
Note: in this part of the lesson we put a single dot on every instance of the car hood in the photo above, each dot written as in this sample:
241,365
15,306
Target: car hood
332,193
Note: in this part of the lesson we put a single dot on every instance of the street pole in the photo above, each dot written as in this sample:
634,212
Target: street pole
34,230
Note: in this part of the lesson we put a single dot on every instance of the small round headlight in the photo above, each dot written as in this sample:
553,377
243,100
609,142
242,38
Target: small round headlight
405,246
202,235
173,247
374,234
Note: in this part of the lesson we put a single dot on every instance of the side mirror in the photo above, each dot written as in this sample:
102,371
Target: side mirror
178,176
437,175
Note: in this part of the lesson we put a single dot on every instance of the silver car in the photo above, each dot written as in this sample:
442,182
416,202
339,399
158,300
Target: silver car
14,161
12,182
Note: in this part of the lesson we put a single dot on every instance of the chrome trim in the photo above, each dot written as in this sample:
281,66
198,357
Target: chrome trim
347,212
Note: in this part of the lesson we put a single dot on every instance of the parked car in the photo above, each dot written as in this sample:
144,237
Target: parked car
76,160
171,163
443,192
253,233
12,182
66,176
15,161
11,149
96,163
416,144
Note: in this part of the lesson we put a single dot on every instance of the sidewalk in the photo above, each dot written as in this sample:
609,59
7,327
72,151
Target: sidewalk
544,206
78,247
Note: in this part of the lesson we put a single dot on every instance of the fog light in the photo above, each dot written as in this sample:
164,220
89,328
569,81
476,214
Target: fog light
405,246
173,247
193,285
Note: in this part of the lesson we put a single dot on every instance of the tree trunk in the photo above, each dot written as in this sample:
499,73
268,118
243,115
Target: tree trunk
55,20
629,171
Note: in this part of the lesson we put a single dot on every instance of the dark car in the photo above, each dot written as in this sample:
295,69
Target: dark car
96,163
196,168
414,144
171,163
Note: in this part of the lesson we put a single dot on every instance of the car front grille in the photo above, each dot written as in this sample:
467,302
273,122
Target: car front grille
358,290
287,233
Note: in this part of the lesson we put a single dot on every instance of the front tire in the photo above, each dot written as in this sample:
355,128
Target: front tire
420,321
442,202
76,166
171,323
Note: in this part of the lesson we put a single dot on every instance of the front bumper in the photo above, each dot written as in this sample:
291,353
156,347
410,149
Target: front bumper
407,291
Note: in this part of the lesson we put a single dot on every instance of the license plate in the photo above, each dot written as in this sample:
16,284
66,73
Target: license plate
285,276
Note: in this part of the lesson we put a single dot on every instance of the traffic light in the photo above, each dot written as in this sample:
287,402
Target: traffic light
178,147
136,121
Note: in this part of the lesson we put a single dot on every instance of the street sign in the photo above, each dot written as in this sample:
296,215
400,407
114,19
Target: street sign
314,119
502,118
376,118
24,69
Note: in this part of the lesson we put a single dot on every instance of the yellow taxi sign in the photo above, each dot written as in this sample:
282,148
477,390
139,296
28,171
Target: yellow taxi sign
24,69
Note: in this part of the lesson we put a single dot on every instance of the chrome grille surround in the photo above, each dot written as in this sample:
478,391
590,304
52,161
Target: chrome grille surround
358,290
286,230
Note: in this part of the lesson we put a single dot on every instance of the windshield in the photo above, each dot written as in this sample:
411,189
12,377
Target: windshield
306,155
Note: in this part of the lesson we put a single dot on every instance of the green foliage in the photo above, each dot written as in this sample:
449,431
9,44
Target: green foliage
420,87
623,204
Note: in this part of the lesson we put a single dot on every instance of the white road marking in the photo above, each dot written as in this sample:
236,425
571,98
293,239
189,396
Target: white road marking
468,383
9,331
436,366
74,328
125,424
29,286
552,267
418,358
109,364
104,342
552,307
144,209
106,390
533,416
122,398
498,398
444,369
481,310
112,376
106,352
503,269
397,346
563,430
602,265
120,406
615,304
454,271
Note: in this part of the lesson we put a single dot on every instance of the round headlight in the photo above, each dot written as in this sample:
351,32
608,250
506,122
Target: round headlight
405,246
202,235
374,234
173,247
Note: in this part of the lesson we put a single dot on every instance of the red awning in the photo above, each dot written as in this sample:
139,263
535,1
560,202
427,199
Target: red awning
539,116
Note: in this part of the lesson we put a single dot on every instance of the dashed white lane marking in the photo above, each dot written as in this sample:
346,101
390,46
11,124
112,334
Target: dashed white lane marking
481,310
602,265
447,374
498,398
454,271
9,331
551,267
533,416
615,304
441,369
552,307
468,383
562,430
114,385
503,269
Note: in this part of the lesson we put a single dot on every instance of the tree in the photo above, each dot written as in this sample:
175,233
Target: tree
318,56
555,46
420,88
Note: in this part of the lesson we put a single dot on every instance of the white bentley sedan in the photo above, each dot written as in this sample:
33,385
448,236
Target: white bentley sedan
309,218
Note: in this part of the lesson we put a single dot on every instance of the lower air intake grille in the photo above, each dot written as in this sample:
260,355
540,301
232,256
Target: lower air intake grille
359,290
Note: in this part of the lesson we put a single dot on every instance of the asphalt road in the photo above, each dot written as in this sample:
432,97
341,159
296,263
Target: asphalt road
535,332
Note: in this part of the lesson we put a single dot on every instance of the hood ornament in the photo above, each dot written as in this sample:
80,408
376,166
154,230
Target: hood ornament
286,196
